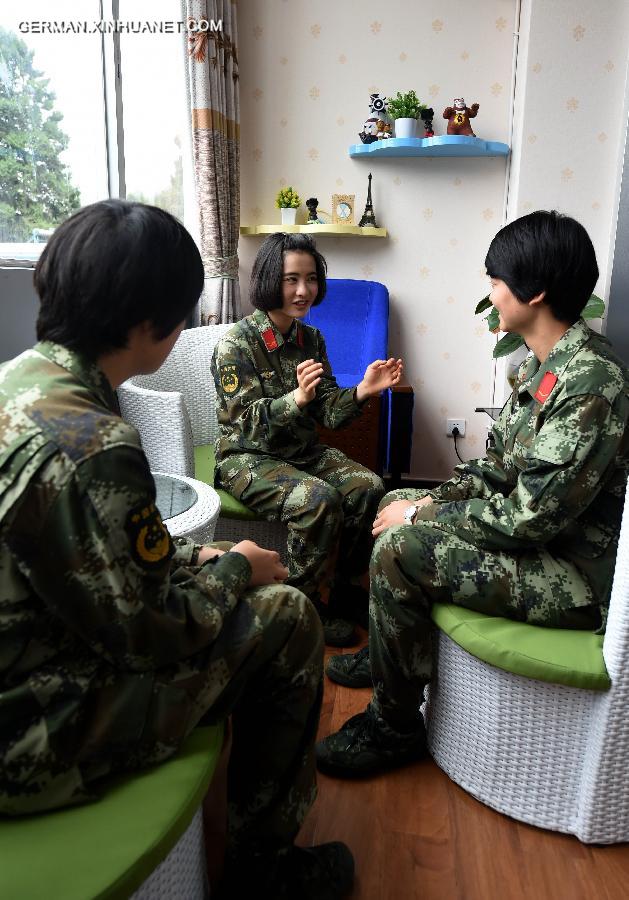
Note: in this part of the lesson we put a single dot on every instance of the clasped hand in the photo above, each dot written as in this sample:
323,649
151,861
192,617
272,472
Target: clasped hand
266,567
393,514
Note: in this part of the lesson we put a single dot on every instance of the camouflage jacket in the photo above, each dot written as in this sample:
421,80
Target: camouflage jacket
91,584
254,368
557,471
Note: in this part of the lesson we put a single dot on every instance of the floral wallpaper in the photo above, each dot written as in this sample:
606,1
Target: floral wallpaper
306,73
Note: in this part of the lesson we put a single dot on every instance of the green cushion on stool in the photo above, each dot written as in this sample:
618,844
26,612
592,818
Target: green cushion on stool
204,465
107,848
557,655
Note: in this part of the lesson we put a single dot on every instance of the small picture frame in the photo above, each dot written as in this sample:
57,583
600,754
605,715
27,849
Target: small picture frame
343,209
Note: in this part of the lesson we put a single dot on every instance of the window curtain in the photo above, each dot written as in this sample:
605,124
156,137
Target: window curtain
212,72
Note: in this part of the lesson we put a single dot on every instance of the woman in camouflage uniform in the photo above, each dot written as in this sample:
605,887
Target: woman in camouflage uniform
530,532
115,640
274,384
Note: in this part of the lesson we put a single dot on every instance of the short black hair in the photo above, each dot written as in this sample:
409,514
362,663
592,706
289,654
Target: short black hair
265,291
111,266
546,251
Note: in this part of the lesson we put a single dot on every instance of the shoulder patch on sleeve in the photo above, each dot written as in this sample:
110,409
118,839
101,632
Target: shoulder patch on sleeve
151,544
229,378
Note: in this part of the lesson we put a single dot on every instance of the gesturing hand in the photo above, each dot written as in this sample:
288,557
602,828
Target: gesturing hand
309,375
379,375
266,567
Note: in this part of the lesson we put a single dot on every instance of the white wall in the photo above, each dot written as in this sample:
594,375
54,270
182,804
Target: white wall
306,72
617,322
571,115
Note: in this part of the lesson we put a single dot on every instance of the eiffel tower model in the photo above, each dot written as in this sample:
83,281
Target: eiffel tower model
369,219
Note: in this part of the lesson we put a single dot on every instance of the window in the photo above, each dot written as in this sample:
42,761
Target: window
154,108
88,112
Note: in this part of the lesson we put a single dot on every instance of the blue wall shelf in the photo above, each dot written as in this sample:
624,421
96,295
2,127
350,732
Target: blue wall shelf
441,145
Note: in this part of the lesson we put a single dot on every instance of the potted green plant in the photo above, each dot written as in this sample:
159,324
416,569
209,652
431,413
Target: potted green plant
288,201
594,309
405,109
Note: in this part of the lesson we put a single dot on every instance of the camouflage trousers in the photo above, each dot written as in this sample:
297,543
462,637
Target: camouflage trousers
328,507
265,670
413,566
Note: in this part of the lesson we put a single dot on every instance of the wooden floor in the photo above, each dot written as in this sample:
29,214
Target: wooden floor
416,834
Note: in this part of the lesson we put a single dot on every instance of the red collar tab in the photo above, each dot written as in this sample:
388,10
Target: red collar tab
300,335
270,341
546,385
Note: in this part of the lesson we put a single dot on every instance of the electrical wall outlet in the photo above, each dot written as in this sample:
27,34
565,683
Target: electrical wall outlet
455,423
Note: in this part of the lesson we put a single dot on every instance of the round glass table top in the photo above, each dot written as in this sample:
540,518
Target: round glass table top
174,496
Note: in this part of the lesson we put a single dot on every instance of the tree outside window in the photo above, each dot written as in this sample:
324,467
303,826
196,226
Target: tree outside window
36,189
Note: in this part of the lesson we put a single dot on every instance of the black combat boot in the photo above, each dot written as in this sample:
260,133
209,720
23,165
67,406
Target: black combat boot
350,669
337,632
324,872
365,745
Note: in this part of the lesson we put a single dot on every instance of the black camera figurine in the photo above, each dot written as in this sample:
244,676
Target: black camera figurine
312,204
378,105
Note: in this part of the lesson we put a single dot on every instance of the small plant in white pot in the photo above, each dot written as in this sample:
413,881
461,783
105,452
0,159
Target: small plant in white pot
405,109
288,201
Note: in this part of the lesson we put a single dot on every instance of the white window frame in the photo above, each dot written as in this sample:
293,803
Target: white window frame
112,93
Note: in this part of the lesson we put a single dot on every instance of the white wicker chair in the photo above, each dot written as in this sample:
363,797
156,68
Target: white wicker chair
546,754
174,410
183,873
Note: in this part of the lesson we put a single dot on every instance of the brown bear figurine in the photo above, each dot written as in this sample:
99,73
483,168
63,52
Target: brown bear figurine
459,115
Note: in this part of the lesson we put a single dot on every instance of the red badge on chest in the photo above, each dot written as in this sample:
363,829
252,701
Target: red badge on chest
300,336
270,341
546,385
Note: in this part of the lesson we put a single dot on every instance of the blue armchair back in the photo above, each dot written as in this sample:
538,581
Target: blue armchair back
354,320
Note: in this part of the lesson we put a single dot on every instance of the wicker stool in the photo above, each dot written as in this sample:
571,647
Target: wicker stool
144,835
552,748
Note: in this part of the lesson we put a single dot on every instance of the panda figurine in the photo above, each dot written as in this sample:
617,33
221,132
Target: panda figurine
369,134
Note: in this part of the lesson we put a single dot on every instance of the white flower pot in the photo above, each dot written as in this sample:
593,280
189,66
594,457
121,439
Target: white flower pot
406,128
288,215
513,362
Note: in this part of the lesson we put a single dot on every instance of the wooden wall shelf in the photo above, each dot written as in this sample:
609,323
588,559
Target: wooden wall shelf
335,230
448,145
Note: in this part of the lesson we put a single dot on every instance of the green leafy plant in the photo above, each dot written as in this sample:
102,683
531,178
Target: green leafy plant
405,106
287,198
36,190
594,309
